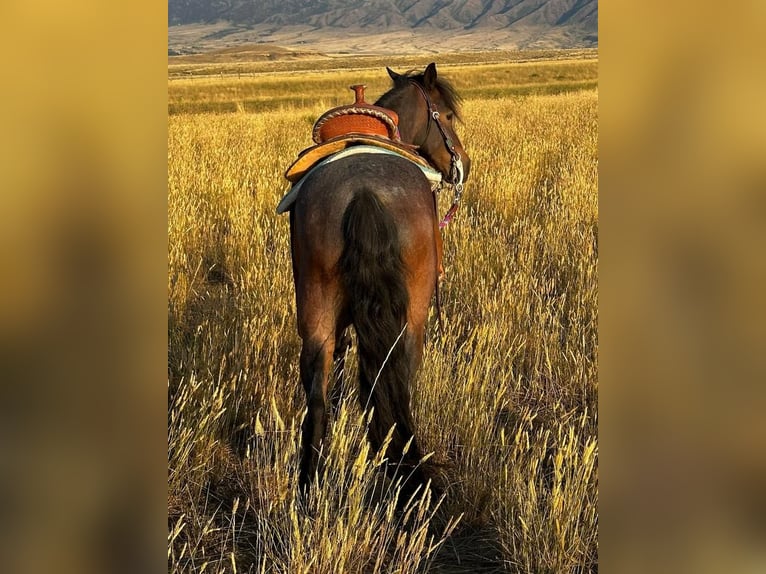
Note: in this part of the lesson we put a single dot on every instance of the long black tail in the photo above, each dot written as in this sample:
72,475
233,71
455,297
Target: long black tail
375,281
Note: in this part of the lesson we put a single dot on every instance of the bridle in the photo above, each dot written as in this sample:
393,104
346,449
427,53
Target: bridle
457,171
456,177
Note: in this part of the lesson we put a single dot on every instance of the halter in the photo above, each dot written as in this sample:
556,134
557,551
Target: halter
456,164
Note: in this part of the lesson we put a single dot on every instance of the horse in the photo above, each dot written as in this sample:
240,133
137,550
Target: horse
366,252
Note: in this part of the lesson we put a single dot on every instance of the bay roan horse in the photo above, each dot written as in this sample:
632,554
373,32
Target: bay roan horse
366,250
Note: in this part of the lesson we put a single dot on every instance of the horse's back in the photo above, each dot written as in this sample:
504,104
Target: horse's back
398,184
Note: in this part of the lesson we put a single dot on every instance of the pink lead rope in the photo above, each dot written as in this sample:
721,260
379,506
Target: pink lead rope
457,175
448,216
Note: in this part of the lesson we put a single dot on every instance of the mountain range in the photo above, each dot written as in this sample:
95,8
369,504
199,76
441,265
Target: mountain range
526,23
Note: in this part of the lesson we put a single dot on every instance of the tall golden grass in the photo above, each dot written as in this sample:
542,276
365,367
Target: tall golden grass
506,398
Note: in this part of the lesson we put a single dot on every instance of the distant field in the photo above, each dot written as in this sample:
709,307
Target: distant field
507,396
228,91
258,59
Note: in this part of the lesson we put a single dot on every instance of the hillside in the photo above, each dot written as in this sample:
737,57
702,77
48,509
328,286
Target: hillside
205,24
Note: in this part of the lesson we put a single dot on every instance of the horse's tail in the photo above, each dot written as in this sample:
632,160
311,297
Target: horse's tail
374,277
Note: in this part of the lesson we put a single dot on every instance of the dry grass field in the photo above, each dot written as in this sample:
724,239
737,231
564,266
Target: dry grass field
506,399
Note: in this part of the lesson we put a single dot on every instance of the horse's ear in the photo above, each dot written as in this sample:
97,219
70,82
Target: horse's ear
394,75
429,76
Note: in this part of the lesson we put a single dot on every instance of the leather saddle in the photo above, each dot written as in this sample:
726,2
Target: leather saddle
371,128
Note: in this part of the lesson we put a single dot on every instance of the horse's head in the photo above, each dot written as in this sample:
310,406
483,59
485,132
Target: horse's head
428,109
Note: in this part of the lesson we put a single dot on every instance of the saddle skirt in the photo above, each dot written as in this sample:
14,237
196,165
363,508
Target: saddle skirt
344,146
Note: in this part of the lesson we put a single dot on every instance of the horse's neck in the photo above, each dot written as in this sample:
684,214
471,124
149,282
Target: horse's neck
408,116
407,124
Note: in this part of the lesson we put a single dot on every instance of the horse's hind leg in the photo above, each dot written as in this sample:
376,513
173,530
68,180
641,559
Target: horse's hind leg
318,334
423,276
315,365
342,345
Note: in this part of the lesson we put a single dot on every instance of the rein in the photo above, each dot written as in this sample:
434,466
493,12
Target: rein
456,165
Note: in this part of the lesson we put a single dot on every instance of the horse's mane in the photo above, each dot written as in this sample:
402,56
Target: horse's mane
448,93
